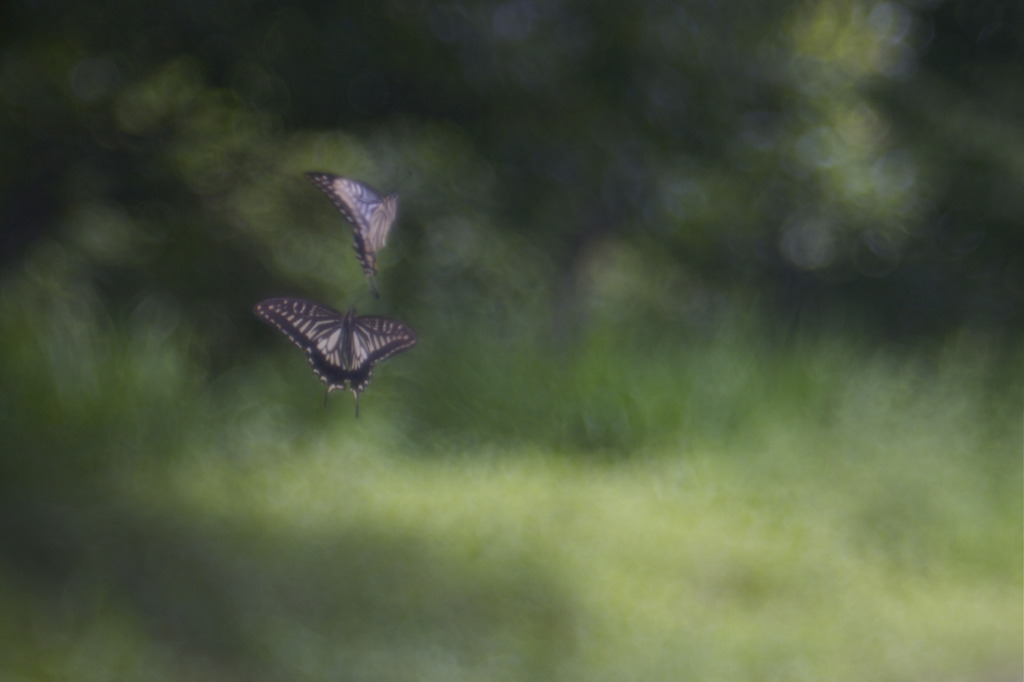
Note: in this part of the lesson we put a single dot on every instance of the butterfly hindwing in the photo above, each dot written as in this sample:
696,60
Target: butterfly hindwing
341,348
371,214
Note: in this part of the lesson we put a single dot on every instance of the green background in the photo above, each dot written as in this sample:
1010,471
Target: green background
719,374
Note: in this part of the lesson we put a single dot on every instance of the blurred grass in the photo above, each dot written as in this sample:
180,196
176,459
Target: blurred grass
694,505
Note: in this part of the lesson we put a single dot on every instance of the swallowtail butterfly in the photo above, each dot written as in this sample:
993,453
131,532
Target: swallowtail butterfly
341,348
371,215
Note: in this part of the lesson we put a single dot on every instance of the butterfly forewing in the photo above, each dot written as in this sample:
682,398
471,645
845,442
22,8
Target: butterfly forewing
340,348
377,338
370,214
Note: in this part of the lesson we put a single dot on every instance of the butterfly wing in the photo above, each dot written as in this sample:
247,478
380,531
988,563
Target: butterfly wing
371,215
376,338
320,331
340,348
381,220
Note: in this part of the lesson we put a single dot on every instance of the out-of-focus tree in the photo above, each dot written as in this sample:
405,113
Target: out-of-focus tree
837,156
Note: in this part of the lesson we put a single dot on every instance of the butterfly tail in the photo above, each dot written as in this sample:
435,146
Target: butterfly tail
373,285
355,394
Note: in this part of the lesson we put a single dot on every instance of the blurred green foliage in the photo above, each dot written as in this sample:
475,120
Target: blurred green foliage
830,155
719,373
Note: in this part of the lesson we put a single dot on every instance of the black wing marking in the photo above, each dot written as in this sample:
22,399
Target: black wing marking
370,214
340,348
376,338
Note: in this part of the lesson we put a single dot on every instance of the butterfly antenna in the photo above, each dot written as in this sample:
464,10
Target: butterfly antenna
395,190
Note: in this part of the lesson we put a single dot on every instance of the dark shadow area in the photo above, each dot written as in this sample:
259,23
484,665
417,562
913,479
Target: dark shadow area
231,596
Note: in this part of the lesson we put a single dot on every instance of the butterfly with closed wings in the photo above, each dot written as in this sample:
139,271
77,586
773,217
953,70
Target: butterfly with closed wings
371,215
340,348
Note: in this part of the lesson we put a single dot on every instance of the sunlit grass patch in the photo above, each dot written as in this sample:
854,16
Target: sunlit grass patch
688,563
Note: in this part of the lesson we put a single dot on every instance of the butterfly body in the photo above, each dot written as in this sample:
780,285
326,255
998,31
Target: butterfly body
370,213
341,349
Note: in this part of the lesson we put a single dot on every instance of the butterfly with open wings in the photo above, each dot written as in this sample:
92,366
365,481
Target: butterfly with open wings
341,348
371,215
